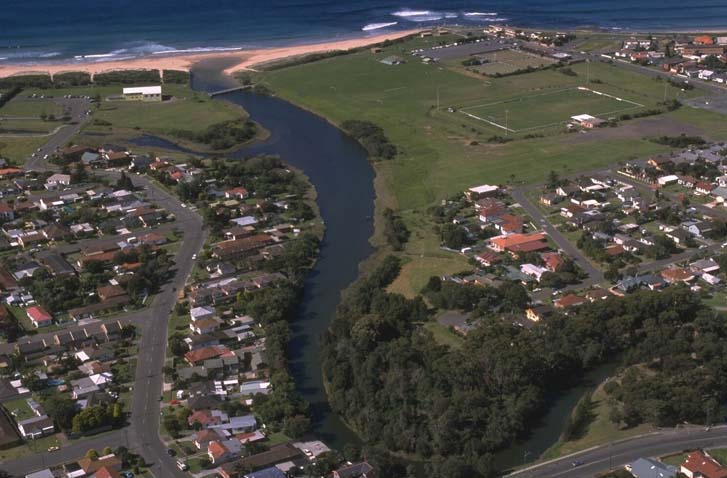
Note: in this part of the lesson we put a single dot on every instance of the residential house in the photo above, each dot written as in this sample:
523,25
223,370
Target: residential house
703,187
479,192
207,418
237,193
679,236
538,312
223,451
699,465
36,427
57,181
650,468
204,437
519,242
240,248
704,265
39,316
6,212
674,275
568,301
205,326
356,470
199,313
275,455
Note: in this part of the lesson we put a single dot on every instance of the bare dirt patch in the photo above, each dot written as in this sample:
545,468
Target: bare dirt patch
636,129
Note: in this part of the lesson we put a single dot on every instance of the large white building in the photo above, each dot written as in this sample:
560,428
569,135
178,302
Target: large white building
143,93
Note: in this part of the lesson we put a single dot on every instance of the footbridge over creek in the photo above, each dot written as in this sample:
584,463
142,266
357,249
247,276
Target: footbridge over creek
228,90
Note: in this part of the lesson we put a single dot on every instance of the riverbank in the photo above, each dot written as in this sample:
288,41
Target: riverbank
239,59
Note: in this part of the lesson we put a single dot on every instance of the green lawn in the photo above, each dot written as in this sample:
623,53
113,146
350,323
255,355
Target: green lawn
29,126
25,107
719,454
187,110
676,459
31,447
19,409
19,148
531,112
444,336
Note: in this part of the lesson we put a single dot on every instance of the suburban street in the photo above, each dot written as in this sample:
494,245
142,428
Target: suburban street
595,276
142,434
611,456
77,108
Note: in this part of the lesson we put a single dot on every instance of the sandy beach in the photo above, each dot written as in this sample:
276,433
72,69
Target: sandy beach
246,59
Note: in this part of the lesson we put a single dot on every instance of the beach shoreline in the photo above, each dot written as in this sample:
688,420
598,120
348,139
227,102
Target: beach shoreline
244,59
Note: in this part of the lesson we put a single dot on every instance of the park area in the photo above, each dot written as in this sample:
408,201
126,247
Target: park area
503,62
542,110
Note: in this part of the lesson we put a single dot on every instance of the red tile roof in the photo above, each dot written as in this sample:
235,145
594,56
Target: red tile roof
700,464
570,300
205,353
38,314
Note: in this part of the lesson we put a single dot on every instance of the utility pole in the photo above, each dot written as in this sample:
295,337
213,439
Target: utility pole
507,130
437,98
610,456
666,84
588,72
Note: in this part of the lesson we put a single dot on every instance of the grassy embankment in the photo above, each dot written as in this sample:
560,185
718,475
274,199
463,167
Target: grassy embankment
442,152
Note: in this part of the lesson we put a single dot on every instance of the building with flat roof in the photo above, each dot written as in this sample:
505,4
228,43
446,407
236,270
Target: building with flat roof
143,93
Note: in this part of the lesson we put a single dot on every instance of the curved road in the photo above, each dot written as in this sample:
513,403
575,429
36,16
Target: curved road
611,456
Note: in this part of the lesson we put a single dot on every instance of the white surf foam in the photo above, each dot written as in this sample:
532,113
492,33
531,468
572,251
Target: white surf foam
377,26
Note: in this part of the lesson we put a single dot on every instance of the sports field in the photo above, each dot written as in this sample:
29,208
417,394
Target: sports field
507,61
537,111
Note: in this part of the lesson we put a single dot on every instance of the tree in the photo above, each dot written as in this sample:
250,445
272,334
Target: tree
296,426
92,454
124,182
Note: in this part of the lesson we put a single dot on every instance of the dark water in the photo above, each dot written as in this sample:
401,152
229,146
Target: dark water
339,169
38,30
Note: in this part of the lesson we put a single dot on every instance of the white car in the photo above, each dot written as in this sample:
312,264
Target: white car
194,257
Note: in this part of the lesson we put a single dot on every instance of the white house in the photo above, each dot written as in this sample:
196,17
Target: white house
57,181
36,427
533,270
200,313
668,179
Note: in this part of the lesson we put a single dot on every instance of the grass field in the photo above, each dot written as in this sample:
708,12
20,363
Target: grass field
23,107
18,148
531,112
443,153
507,61
187,110
27,126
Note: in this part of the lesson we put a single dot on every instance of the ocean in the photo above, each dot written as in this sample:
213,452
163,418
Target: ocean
93,30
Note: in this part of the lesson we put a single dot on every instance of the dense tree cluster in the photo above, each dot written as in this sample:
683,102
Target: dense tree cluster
403,391
372,137
395,231
220,135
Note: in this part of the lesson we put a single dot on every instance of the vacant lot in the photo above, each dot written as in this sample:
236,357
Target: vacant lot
507,61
